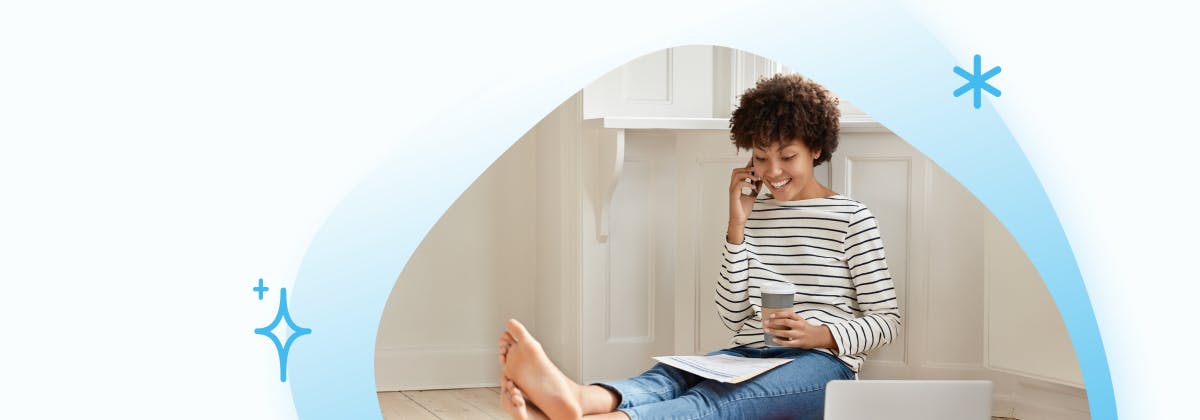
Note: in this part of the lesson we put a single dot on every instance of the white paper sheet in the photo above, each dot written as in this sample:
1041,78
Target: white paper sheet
723,367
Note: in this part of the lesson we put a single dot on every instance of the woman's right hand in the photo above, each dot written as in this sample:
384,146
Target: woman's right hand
740,204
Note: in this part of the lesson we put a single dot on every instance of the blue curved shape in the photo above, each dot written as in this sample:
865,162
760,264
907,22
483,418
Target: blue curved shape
876,56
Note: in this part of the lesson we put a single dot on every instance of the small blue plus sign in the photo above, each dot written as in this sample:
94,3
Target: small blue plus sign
261,289
977,81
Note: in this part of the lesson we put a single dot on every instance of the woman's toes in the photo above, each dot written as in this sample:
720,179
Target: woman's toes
517,331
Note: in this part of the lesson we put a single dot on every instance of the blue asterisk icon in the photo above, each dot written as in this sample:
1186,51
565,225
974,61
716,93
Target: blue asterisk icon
977,81
283,347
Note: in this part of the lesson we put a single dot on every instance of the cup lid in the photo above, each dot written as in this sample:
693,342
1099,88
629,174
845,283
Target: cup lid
779,288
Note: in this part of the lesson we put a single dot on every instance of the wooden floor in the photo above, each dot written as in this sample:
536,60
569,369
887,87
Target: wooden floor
452,404
467,404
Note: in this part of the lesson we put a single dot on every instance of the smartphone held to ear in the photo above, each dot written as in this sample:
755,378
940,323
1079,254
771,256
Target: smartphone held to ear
752,192
747,191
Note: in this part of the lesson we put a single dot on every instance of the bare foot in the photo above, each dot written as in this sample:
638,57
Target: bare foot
537,377
504,343
513,401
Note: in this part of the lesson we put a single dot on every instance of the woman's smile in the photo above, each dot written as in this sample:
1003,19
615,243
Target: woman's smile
778,187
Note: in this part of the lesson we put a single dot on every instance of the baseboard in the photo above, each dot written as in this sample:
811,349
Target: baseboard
1034,399
421,368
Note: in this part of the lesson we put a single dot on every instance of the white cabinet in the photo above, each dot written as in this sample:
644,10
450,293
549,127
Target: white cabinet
686,82
675,82
683,82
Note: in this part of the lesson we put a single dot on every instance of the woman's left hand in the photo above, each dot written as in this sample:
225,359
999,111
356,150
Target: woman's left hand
790,330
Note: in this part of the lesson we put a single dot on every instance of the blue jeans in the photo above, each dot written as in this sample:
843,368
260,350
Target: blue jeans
795,390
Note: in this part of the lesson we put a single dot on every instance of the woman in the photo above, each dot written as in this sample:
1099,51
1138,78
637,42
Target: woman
826,245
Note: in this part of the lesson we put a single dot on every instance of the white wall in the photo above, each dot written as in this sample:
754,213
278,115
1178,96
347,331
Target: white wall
1021,315
953,308
481,255
556,291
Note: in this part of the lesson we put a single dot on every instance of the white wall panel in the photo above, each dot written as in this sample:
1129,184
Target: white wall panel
628,279
648,78
713,209
954,311
557,290
666,83
734,71
703,160
883,184
631,260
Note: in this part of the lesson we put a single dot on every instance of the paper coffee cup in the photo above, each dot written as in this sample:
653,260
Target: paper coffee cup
776,297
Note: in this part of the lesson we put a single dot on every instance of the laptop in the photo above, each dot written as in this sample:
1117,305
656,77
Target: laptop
908,400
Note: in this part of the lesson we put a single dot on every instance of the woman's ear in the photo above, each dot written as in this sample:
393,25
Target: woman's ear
816,154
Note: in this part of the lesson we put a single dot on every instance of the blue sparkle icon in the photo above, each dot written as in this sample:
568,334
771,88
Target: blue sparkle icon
977,82
261,289
297,331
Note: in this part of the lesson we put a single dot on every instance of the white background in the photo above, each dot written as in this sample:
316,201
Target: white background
156,160
1100,99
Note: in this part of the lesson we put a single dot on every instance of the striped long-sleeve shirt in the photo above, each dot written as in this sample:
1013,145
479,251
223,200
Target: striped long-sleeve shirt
831,250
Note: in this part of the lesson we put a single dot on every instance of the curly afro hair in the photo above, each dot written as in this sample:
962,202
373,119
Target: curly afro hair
783,109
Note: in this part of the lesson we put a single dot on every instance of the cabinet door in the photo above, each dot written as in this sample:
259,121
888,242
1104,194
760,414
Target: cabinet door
627,279
705,161
675,82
